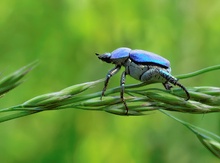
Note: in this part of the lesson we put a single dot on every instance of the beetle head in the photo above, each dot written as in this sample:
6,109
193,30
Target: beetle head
118,56
106,57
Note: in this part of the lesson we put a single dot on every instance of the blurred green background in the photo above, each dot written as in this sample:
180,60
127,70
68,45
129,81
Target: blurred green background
64,35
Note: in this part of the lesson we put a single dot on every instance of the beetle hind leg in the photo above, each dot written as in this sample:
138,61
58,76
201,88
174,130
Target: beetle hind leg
167,85
185,90
172,80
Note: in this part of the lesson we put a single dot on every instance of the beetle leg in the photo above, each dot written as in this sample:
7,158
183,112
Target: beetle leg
183,88
109,75
122,84
167,86
147,75
174,81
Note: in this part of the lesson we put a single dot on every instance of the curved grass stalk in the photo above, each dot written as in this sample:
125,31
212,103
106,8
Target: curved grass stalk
139,100
203,99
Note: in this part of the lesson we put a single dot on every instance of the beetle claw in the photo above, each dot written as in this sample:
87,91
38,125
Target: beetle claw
183,88
167,86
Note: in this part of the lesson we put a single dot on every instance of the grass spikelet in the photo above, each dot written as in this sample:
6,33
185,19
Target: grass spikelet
56,99
13,80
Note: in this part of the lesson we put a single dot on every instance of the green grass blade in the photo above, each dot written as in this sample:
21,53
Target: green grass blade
199,72
15,115
208,139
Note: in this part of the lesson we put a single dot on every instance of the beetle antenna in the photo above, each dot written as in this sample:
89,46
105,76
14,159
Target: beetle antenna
183,88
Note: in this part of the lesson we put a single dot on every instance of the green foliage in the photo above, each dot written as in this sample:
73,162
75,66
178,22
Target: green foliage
64,35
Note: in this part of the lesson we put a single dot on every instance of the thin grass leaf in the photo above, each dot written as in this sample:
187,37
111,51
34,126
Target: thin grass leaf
199,72
208,139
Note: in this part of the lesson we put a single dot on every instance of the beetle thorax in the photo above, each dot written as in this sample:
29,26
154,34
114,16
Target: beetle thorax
119,61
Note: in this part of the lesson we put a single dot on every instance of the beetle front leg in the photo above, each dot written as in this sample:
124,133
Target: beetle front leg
109,75
122,84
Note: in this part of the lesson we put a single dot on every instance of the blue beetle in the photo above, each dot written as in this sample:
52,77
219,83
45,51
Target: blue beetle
141,65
